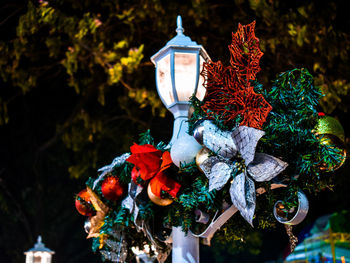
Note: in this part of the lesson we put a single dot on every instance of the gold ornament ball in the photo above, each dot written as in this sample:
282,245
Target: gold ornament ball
334,142
330,125
202,156
157,200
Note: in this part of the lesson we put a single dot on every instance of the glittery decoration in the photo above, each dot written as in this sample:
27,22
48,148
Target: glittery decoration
118,251
243,196
111,243
118,161
130,201
246,139
101,211
218,141
293,240
198,133
335,144
218,169
330,125
229,92
219,175
209,163
265,167
202,156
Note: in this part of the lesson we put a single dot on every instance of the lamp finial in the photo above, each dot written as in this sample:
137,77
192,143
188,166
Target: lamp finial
179,28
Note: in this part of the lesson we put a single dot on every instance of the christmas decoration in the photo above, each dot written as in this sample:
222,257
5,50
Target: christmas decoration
331,134
83,203
230,93
247,148
112,189
97,220
282,214
334,143
157,200
330,125
201,157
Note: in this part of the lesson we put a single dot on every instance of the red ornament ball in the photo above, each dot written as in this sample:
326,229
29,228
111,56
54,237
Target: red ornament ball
84,205
112,189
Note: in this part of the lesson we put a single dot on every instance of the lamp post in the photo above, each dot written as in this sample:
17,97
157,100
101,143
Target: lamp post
39,253
178,66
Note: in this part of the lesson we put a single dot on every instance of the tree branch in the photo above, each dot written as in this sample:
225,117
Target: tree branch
11,15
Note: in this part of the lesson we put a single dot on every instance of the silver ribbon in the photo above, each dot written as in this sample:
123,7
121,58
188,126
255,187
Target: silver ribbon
129,202
265,167
117,162
243,196
216,224
246,139
118,250
218,141
303,208
219,175
201,217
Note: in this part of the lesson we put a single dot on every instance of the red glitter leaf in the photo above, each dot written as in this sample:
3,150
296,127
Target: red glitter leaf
229,92
245,53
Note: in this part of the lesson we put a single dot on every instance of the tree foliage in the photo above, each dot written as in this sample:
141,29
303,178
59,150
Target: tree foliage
77,87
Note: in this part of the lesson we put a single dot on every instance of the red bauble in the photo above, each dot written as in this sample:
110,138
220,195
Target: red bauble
85,207
112,189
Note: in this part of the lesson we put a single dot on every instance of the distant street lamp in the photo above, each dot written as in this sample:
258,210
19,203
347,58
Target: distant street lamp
178,67
39,253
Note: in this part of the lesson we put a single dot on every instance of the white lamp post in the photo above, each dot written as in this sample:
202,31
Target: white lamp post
39,253
178,67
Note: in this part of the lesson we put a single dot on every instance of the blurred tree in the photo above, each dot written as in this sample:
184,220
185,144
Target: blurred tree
77,86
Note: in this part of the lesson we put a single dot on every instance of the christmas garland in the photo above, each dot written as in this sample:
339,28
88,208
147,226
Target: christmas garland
244,140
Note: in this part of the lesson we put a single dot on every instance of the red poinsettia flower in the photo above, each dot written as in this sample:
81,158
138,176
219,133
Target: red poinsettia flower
150,163
147,160
161,183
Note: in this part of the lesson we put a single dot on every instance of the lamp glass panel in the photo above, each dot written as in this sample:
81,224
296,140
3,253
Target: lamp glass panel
165,89
37,259
185,74
201,90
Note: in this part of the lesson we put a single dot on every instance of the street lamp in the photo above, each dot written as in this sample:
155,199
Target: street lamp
178,68
39,253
